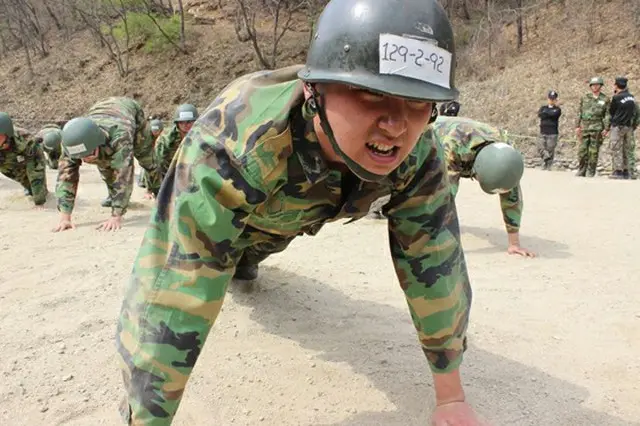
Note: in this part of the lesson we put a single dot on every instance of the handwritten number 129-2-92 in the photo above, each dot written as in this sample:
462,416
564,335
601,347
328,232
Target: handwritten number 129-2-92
394,53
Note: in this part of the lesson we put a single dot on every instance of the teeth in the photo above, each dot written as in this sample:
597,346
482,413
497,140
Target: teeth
380,147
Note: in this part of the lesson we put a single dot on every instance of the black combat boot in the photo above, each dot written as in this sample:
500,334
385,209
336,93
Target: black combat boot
616,174
245,271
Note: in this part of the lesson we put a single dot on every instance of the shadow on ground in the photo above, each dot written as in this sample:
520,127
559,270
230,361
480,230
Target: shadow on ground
379,342
498,240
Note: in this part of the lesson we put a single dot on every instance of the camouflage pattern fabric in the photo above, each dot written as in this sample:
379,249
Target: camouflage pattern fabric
51,157
620,144
143,179
23,162
461,138
593,113
249,173
128,136
593,118
588,153
166,146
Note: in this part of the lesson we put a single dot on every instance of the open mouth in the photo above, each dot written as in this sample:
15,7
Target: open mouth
382,150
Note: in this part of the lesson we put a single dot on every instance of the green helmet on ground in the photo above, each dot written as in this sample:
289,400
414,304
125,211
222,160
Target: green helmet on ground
185,112
51,140
409,53
6,125
81,136
498,167
156,125
596,80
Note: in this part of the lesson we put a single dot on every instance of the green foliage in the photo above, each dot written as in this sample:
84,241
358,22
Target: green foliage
142,28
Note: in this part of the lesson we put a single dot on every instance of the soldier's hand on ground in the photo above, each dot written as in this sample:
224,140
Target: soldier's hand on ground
63,225
112,224
148,196
39,207
514,249
455,414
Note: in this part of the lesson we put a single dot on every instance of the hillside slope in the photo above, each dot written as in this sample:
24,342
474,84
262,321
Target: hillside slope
564,46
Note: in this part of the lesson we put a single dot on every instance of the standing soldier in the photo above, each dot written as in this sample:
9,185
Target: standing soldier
156,129
593,118
479,151
21,160
624,120
278,154
113,132
50,137
549,117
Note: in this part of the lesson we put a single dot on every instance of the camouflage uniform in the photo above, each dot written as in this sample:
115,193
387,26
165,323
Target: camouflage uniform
461,138
593,118
24,163
143,179
128,136
166,146
53,156
251,172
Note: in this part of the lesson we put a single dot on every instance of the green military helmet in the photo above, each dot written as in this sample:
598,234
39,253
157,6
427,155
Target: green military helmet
156,125
81,136
596,80
185,112
6,125
409,53
498,167
51,140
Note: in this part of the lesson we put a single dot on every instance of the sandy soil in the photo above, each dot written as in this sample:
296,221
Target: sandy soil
326,338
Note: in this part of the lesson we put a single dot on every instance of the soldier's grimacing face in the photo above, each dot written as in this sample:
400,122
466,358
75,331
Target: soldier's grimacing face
376,131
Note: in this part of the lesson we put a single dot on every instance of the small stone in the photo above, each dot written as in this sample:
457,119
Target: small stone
262,419
313,365
67,378
44,409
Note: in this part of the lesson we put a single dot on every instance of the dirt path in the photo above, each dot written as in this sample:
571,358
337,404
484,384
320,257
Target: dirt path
326,339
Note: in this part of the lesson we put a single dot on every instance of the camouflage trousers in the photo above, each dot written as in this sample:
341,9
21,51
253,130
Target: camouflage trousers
256,253
33,178
109,176
588,153
621,142
547,148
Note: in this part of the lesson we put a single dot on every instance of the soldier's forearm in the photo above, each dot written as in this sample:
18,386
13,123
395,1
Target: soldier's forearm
448,387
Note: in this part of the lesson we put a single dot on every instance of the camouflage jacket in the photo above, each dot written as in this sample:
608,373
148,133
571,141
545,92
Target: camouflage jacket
461,138
51,156
252,171
593,113
128,137
24,163
166,146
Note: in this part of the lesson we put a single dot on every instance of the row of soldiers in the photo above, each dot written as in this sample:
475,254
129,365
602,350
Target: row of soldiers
112,133
598,116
